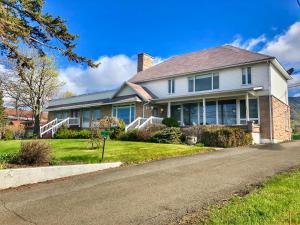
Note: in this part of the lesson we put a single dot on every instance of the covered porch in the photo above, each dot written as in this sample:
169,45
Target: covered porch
230,108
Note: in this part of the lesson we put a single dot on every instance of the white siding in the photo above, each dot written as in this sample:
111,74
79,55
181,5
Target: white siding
279,84
229,79
126,91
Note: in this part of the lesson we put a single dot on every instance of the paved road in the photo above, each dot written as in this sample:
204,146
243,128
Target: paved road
154,193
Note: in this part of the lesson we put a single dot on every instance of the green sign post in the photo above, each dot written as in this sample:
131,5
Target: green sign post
104,135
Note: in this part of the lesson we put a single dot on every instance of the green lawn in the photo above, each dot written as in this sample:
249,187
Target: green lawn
77,150
269,205
296,136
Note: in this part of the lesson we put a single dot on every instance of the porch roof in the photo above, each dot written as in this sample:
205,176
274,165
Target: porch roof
210,94
101,102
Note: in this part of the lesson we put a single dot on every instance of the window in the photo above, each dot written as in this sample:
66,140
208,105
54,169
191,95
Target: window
125,113
211,114
246,76
176,113
191,84
227,112
204,82
253,111
86,118
171,86
96,115
190,114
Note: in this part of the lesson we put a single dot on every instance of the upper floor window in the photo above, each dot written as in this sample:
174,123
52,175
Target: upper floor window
246,76
204,82
171,86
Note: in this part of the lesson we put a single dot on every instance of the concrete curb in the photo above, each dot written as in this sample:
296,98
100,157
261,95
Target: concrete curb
22,176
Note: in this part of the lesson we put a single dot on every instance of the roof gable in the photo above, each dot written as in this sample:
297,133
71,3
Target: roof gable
200,61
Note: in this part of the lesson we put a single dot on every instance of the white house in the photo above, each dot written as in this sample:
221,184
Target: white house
222,85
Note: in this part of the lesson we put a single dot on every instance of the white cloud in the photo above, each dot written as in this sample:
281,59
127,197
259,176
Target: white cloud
249,44
110,74
286,46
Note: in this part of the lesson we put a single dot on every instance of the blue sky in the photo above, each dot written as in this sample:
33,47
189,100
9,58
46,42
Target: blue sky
113,32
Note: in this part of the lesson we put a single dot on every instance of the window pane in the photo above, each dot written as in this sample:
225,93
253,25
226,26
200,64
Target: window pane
169,86
65,114
249,75
86,119
176,112
132,113
243,76
201,113
253,108
227,112
216,82
242,109
203,83
96,116
191,84
114,112
58,115
173,86
190,114
211,113
123,114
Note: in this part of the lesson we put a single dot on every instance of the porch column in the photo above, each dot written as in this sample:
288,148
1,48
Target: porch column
247,107
217,112
169,110
204,111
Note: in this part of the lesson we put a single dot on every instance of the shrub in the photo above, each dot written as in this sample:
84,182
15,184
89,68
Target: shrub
118,130
152,128
170,122
170,135
198,130
65,133
8,157
131,135
11,132
225,137
34,152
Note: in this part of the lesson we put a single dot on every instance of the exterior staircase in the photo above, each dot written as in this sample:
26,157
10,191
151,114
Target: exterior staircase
53,126
140,123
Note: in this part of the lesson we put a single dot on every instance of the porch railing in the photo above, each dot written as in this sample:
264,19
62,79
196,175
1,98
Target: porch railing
55,124
140,123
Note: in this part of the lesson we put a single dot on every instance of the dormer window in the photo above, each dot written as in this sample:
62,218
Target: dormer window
171,86
246,76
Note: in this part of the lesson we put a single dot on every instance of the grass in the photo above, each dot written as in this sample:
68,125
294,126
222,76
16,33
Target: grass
77,150
296,136
276,203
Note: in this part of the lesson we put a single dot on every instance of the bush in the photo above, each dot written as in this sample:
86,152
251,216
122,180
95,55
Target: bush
225,137
152,128
170,135
11,132
65,133
136,135
118,130
34,152
198,130
8,157
170,122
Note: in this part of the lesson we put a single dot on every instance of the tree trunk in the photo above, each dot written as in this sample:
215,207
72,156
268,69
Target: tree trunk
36,127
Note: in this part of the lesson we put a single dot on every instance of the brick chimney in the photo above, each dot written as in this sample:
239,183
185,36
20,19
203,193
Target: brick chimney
145,61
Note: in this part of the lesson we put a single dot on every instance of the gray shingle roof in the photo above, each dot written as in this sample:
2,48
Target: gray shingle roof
200,61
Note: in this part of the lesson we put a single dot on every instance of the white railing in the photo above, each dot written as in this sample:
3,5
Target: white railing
140,122
55,124
151,120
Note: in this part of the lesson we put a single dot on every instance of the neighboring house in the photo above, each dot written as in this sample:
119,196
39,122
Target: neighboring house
222,85
24,117
295,112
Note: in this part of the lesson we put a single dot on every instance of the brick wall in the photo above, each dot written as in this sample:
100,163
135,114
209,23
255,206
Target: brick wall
280,119
139,110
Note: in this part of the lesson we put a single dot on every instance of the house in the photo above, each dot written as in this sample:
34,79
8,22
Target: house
222,85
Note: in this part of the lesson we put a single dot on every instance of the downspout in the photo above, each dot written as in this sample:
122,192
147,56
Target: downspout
143,114
270,104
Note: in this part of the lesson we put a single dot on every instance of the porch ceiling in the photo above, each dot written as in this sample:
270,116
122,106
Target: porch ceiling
210,95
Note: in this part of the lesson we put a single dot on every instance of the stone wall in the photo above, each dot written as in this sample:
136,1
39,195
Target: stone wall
139,110
264,107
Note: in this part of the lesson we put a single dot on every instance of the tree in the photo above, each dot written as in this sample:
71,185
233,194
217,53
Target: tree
23,22
2,121
36,85
67,94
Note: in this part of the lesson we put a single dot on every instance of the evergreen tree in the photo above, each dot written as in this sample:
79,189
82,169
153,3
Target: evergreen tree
23,22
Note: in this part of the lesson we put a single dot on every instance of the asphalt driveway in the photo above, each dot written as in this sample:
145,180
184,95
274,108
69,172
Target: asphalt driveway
160,192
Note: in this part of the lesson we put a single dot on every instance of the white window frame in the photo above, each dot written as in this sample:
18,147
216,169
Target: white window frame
171,86
250,118
211,75
245,69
